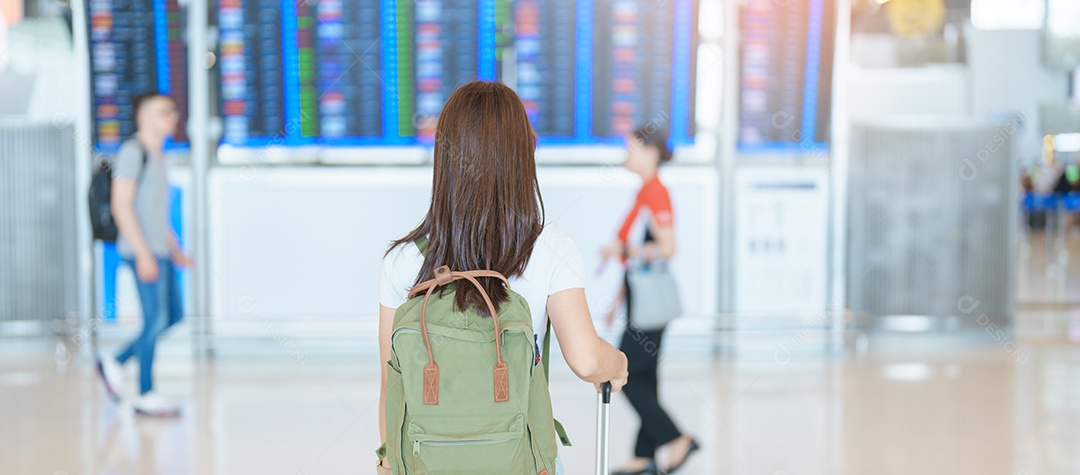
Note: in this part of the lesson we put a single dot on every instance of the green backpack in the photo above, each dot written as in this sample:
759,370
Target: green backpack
458,399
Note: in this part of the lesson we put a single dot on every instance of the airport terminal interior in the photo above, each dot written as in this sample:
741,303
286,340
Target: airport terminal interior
864,235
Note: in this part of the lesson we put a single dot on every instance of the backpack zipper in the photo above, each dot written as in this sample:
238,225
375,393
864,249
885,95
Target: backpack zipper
491,439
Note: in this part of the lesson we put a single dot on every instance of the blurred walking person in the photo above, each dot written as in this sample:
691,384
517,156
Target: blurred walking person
651,218
147,243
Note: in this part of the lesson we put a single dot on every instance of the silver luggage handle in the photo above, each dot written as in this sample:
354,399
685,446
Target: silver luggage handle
603,427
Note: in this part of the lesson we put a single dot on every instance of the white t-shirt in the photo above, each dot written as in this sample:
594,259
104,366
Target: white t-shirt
556,264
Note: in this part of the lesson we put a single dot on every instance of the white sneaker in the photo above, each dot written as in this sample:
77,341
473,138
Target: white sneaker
111,374
151,404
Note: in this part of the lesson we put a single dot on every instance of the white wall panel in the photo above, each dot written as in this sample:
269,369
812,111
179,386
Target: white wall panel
295,243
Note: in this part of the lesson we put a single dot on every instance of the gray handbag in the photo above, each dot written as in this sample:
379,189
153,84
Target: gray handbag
654,295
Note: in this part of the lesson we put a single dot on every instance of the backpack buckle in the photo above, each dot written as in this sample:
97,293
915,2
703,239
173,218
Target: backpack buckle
442,275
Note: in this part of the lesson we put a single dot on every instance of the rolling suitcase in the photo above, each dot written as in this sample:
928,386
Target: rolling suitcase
603,428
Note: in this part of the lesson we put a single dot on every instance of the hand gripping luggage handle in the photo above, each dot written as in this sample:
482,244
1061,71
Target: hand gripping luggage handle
603,407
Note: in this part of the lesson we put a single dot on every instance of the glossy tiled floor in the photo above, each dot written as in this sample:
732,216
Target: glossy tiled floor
910,405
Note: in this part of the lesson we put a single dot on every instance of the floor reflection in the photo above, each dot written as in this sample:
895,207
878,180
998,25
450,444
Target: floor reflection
951,406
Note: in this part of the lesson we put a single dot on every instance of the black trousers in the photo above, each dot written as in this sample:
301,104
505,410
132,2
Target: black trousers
642,350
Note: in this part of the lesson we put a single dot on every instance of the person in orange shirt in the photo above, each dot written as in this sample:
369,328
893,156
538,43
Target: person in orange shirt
651,215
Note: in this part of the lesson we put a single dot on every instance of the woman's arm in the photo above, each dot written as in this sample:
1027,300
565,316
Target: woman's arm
662,247
179,257
386,326
590,357
664,240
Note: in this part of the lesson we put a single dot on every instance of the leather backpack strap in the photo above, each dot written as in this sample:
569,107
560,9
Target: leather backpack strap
443,276
422,287
422,245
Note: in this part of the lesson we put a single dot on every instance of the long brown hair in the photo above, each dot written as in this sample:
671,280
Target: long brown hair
486,211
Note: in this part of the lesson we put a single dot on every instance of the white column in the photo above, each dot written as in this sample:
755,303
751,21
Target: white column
198,120
83,161
840,144
729,134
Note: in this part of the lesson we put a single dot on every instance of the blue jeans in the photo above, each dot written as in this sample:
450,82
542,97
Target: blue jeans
162,309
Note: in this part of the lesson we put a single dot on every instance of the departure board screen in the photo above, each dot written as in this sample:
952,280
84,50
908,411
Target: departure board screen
543,34
378,72
349,65
447,40
786,75
252,80
136,46
644,57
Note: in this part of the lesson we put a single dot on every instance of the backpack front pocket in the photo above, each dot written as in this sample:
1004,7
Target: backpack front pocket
473,445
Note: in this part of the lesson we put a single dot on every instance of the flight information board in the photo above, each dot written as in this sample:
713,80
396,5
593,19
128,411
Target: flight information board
251,71
644,57
447,39
378,72
543,34
349,65
786,75
136,46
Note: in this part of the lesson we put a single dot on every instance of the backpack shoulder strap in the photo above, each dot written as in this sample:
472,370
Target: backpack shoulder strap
145,158
544,358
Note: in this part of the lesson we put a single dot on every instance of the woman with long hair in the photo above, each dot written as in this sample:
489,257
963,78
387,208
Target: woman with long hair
651,215
486,213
